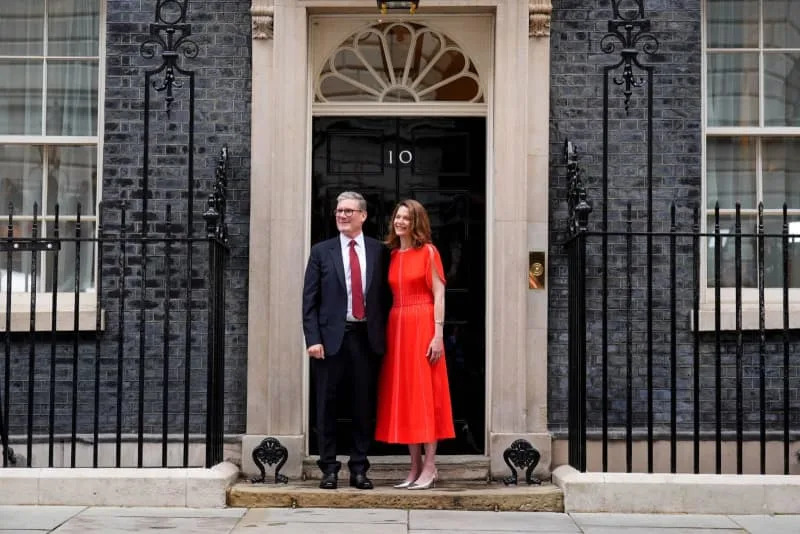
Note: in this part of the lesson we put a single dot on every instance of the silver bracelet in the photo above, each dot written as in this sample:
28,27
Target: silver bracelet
438,322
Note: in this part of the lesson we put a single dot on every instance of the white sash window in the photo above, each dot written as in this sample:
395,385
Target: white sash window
51,55
752,131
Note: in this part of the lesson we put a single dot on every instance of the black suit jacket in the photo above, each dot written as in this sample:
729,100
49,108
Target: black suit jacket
325,295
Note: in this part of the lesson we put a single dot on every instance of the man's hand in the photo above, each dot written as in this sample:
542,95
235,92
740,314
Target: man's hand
317,351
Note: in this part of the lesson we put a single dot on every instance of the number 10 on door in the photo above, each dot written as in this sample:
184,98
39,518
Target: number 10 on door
404,156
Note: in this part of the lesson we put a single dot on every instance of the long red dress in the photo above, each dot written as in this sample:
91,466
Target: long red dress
413,395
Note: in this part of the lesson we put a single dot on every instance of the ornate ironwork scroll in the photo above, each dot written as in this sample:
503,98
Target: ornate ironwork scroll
170,33
522,455
270,451
629,30
579,207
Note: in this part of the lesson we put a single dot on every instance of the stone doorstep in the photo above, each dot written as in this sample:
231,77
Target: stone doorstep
395,468
448,495
179,487
677,493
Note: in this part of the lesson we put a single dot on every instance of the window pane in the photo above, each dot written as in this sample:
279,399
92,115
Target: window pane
731,171
728,247
20,97
22,28
781,24
773,252
72,178
10,190
781,89
72,98
21,280
354,78
72,27
65,273
732,23
63,279
733,89
450,66
20,178
781,172
336,89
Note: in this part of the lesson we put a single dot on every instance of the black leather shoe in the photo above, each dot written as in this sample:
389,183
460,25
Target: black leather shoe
329,481
360,481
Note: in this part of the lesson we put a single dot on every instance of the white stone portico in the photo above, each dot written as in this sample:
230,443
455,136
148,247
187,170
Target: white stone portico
517,111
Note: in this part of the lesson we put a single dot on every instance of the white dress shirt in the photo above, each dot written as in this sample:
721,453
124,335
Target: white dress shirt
362,261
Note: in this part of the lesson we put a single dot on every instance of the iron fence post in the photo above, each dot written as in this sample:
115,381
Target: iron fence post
577,351
216,233
579,209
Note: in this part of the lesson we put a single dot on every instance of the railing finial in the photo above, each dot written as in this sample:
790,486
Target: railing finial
216,227
579,206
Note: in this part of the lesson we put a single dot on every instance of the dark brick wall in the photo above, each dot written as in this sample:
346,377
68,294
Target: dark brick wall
221,29
577,63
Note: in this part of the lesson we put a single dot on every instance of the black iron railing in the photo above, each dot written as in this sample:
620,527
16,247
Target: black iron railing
650,356
645,366
132,373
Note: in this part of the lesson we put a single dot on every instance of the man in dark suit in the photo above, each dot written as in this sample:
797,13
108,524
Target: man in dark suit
344,320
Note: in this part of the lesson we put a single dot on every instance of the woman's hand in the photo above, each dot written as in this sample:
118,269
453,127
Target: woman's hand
435,349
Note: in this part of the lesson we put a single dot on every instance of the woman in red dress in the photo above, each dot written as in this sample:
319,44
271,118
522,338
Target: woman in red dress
413,393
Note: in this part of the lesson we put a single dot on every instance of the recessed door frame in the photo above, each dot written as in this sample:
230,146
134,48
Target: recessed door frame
342,27
386,175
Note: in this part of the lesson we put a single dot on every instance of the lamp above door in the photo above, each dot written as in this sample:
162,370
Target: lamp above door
396,5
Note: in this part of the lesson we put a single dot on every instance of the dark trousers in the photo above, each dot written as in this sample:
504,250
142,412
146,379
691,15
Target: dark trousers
351,368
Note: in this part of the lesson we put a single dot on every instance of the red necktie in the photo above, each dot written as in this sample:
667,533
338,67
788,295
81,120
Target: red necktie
355,282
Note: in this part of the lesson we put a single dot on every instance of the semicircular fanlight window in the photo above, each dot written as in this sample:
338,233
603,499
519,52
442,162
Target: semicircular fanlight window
398,62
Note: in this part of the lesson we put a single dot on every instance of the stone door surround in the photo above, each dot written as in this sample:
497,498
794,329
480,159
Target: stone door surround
516,215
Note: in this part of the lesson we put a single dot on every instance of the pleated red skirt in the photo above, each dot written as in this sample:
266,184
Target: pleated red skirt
413,394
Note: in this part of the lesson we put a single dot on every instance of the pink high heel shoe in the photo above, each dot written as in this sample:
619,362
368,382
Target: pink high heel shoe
406,483
425,485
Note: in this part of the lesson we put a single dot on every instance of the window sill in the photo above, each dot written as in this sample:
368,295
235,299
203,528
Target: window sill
773,316
65,313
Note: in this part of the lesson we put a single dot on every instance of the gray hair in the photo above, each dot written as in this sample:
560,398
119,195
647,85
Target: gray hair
352,195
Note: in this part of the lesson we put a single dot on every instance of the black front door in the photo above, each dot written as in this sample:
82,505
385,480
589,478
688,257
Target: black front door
440,162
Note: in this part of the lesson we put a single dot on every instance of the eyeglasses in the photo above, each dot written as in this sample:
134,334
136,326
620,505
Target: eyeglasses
345,212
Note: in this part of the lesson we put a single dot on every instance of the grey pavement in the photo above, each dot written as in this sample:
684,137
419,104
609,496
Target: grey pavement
88,520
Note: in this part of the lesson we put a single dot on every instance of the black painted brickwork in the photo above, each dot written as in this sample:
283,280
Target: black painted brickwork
222,68
576,113
221,29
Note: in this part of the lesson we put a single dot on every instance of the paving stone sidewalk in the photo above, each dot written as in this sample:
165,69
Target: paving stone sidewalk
89,520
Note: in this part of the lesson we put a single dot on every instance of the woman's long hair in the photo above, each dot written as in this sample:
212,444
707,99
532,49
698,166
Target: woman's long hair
420,228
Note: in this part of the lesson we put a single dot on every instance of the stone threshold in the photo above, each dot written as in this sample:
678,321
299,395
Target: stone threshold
464,467
667,493
179,487
448,495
